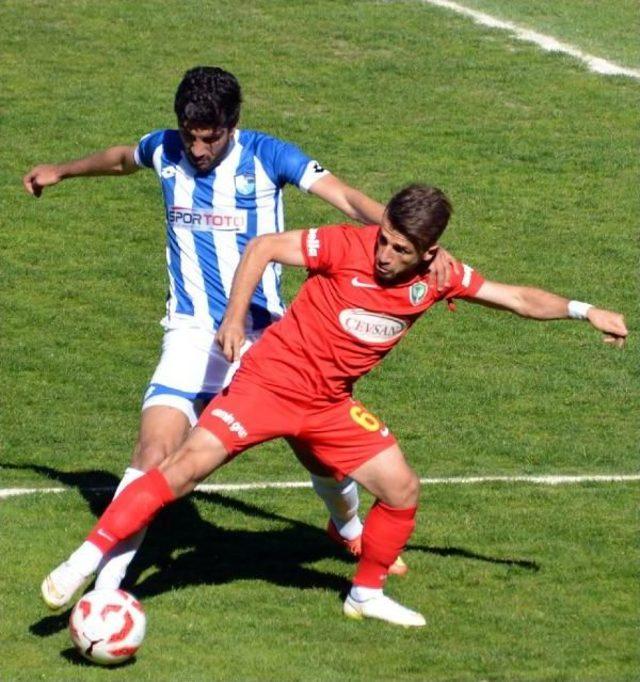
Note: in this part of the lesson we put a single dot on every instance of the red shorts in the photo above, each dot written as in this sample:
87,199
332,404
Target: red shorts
340,435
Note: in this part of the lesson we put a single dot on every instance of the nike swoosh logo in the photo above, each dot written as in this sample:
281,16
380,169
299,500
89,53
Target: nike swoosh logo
365,285
104,534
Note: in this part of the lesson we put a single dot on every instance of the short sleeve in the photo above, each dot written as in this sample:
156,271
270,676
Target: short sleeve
287,164
146,147
325,249
313,171
464,284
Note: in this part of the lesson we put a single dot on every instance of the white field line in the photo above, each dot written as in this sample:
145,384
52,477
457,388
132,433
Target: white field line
546,42
280,485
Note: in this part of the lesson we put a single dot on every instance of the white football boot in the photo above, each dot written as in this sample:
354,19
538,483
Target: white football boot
60,585
382,608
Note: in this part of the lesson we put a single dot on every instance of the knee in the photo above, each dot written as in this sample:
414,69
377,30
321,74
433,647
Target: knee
162,431
149,454
180,473
412,490
407,493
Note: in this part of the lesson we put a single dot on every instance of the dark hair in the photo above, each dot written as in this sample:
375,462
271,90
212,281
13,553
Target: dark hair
420,213
208,97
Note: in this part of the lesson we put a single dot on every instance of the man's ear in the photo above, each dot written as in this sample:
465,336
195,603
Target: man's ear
430,253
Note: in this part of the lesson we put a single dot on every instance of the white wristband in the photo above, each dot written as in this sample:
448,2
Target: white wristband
578,310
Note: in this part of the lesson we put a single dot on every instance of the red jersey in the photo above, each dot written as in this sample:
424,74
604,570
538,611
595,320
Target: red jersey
342,322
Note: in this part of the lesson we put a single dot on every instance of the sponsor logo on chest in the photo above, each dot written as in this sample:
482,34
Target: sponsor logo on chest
371,327
205,220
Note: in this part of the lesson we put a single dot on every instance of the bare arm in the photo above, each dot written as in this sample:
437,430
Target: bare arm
543,305
284,248
112,161
350,201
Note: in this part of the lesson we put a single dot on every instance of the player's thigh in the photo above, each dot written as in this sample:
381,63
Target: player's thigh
200,455
162,430
389,478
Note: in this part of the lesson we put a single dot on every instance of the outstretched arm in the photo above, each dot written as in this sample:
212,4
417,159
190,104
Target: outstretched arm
112,161
543,305
284,248
350,201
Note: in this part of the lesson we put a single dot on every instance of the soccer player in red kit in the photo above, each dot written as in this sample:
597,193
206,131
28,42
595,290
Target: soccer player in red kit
366,287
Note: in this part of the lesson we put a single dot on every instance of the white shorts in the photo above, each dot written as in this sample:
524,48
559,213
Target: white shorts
192,369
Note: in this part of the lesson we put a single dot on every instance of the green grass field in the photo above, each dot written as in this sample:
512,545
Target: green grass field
539,155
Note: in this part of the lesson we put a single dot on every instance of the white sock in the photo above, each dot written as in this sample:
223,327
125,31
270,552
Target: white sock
129,476
113,567
350,530
360,593
85,559
342,500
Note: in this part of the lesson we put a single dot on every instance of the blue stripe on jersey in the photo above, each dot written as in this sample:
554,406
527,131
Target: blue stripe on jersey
277,198
245,179
184,304
148,145
283,161
245,184
206,250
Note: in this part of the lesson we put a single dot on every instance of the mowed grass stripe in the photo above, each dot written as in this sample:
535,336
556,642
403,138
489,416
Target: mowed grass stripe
546,42
606,29
551,479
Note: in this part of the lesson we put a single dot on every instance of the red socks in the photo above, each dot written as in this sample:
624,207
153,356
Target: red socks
386,529
386,532
132,510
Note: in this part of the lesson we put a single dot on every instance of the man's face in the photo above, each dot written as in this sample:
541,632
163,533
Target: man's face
205,146
396,258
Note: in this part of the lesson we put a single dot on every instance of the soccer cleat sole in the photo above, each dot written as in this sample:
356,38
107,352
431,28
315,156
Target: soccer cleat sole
350,612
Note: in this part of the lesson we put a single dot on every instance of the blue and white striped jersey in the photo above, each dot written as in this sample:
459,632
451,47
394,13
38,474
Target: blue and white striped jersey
211,217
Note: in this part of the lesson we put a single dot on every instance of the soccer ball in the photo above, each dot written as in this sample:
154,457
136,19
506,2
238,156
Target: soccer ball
107,626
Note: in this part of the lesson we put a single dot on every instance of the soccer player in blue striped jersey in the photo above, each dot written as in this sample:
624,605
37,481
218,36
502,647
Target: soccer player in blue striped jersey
221,187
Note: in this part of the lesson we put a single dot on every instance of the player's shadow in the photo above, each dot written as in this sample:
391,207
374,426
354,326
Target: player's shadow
187,550
466,554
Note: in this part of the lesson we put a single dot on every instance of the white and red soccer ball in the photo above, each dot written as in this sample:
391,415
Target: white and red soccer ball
107,626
